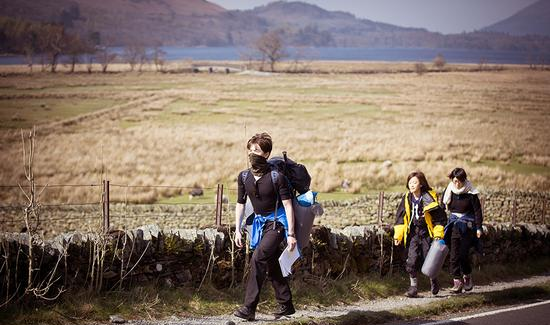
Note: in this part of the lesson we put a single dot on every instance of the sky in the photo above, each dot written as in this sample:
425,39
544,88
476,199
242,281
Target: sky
444,16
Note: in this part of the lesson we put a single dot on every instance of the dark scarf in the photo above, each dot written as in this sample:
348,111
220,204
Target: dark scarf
259,165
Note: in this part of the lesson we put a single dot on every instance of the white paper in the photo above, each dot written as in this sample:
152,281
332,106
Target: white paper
286,260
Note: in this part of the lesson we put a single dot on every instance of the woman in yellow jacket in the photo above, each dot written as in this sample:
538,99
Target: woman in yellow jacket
419,219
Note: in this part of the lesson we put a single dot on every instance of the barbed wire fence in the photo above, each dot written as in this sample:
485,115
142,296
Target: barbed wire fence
122,212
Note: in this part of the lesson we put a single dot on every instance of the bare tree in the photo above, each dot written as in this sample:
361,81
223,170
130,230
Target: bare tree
132,55
105,57
75,48
249,56
439,61
271,46
143,58
420,68
301,59
32,222
29,43
482,65
54,42
89,62
92,44
159,58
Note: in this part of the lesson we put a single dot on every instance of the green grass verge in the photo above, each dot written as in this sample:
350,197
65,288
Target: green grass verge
24,113
440,308
159,302
517,167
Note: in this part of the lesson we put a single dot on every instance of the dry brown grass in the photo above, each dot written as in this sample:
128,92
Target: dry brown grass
186,129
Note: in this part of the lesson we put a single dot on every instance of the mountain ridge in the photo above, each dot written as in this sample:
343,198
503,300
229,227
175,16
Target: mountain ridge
203,23
532,20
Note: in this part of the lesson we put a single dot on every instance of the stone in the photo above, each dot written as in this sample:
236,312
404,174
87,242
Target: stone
150,231
188,234
117,319
214,237
354,232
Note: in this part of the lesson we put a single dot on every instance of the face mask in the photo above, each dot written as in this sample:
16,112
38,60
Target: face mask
259,164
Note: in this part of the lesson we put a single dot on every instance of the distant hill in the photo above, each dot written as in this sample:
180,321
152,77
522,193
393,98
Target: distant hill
533,20
306,22
170,22
202,23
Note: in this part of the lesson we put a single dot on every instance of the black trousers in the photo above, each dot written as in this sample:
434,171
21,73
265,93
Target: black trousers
265,261
461,242
419,245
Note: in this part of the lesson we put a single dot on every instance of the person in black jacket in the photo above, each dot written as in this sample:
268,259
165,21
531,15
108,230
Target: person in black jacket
273,223
419,219
464,227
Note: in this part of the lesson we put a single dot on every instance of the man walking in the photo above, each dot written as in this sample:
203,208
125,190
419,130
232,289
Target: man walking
272,225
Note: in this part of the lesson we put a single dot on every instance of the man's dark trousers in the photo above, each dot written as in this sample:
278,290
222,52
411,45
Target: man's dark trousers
265,260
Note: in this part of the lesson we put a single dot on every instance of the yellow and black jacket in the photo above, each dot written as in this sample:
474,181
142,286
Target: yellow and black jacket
434,215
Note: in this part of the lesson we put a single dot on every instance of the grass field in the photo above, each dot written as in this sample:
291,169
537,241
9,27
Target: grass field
190,129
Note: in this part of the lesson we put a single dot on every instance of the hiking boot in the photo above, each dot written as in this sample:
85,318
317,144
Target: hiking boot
245,313
412,292
434,286
457,286
468,283
284,310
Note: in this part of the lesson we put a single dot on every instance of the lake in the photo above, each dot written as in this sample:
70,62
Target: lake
346,54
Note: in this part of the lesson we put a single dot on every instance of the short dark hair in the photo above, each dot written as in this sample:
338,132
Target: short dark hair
263,140
459,173
424,186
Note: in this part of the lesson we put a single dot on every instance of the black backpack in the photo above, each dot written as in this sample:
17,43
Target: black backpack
296,174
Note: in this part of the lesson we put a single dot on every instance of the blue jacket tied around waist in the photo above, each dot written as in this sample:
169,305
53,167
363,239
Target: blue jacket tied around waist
463,222
260,221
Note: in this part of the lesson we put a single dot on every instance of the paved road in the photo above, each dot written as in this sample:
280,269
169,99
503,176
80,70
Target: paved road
531,314
312,313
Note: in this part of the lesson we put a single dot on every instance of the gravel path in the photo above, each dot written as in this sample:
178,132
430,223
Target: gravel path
374,305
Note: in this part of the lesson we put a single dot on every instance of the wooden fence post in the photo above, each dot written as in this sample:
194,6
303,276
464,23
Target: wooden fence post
380,214
219,205
544,210
482,202
380,207
106,221
514,208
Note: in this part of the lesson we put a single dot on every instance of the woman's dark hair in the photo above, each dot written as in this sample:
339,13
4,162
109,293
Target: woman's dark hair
424,186
261,139
459,173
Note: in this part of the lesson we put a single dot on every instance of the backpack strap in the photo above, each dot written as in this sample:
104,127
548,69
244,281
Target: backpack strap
274,179
244,175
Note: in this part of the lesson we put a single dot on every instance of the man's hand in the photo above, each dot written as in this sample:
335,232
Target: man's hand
238,238
396,242
291,241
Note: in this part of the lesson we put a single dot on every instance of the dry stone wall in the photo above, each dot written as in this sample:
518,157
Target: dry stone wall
187,257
